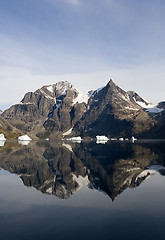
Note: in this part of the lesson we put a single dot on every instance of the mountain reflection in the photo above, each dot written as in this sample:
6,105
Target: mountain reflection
61,169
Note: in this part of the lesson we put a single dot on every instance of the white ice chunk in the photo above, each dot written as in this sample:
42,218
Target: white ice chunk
133,139
121,139
2,137
24,138
75,139
102,138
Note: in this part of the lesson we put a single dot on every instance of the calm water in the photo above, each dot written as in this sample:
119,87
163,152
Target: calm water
54,190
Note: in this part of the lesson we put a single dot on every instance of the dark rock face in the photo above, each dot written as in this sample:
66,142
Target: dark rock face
54,109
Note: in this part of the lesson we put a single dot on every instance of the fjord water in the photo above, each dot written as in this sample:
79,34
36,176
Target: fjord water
55,190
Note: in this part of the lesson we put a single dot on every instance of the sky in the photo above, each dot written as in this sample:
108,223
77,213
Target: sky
85,42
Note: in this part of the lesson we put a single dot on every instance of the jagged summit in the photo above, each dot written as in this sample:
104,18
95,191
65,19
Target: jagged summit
57,89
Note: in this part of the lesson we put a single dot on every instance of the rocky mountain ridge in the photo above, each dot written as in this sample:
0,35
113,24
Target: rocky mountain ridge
54,109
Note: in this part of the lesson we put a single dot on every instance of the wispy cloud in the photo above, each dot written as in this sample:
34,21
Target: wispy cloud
74,2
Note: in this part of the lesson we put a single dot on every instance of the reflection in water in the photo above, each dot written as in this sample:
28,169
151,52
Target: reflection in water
62,169
2,143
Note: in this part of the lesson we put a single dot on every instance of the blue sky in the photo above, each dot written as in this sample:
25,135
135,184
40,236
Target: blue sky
85,42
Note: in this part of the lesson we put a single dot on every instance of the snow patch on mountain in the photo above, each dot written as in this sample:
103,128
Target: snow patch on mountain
133,109
50,88
47,96
142,104
68,132
82,97
149,107
64,86
154,109
99,89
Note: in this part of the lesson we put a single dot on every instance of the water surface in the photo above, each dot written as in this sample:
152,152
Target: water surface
55,190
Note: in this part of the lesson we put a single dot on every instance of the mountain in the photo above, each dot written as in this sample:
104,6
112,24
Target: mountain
49,109
60,109
117,113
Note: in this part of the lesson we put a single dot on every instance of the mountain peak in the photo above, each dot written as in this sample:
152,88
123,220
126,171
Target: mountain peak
111,83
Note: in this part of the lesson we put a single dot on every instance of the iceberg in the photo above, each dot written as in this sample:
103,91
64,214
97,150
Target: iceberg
102,138
24,138
2,140
121,139
133,139
2,137
75,139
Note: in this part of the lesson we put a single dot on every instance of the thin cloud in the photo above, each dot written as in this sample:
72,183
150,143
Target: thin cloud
74,2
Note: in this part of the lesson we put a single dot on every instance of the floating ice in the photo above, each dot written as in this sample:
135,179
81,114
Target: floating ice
133,139
102,138
121,139
2,137
24,138
75,139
